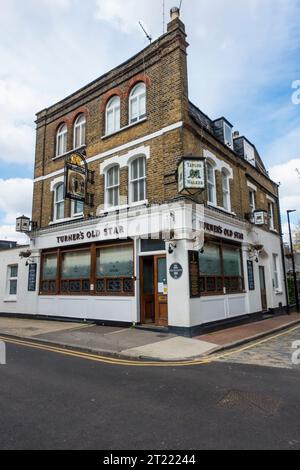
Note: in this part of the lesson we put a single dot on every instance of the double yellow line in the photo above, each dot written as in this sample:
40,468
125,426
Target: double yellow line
131,363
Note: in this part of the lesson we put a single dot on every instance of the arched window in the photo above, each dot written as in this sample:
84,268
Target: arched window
61,140
112,186
138,180
211,184
137,103
79,131
226,190
113,115
59,202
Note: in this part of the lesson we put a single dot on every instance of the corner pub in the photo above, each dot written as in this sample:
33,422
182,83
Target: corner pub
129,131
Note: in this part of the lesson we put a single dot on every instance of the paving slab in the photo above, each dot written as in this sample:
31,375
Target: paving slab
173,349
105,339
237,334
25,328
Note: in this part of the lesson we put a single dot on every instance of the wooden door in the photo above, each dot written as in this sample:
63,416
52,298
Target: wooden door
263,288
147,290
161,290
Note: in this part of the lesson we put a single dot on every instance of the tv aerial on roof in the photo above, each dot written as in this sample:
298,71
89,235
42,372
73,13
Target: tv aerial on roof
146,33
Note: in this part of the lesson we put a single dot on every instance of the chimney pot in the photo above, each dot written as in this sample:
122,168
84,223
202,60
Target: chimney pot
175,13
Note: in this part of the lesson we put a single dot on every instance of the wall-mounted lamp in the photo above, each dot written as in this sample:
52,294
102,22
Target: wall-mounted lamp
172,247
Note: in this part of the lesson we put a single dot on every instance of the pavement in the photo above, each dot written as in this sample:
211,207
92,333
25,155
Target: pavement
138,344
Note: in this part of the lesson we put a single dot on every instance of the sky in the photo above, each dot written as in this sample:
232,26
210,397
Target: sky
244,64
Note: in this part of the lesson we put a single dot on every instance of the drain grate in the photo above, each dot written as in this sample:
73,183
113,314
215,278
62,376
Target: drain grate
251,401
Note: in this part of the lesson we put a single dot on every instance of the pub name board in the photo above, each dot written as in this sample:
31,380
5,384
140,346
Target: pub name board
91,235
226,232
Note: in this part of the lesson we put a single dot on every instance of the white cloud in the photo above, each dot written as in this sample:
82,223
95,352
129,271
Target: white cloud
15,199
289,180
285,147
7,232
17,143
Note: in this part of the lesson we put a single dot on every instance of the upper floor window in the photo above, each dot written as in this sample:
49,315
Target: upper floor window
12,280
138,180
137,103
77,208
252,200
61,140
226,190
113,186
271,215
79,131
211,184
228,135
277,281
59,202
113,115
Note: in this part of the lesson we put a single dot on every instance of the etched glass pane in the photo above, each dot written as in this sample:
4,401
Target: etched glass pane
50,267
232,262
210,261
76,265
115,262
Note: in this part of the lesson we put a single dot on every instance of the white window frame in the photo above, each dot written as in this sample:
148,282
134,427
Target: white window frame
113,108
62,140
252,204
76,214
138,93
277,273
271,215
113,187
10,279
249,153
57,203
230,143
139,180
226,196
79,128
211,183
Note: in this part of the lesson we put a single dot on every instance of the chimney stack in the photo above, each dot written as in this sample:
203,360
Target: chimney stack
175,13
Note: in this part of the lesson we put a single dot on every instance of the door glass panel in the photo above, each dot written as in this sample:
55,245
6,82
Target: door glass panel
148,277
162,274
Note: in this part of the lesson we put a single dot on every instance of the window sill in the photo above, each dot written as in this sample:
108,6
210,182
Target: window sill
273,230
69,153
214,206
10,299
107,136
133,205
278,292
63,221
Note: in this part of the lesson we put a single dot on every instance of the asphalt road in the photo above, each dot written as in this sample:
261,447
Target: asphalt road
51,401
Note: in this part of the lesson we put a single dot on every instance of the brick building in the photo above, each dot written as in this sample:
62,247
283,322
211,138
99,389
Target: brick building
133,126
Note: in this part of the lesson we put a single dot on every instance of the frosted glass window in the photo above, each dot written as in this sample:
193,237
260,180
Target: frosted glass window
115,262
210,261
76,265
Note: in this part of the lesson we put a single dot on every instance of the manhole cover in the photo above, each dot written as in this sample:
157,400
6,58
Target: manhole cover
251,400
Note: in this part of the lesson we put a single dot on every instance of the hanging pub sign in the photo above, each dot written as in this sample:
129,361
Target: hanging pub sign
191,175
76,175
260,217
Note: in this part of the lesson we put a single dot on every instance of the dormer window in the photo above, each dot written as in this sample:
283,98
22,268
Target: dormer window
249,153
223,131
228,135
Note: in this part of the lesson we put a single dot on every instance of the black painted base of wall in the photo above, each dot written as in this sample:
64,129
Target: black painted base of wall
212,327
